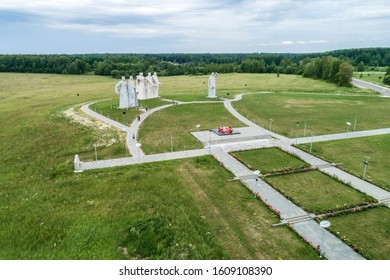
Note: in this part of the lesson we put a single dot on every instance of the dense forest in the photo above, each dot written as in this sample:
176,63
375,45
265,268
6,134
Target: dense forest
327,65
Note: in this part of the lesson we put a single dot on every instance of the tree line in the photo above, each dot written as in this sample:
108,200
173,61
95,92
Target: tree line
329,66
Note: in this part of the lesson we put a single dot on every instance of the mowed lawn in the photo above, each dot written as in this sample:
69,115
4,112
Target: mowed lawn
268,160
367,231
187,88
353,153
171,210
174,125
322,113
316,192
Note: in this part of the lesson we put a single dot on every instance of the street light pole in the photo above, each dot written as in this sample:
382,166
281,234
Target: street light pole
348,125
324,225
139,152
365,167
354,126
270,124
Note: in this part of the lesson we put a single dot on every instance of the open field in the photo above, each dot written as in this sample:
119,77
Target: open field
323,114
177,123
195,87
182,209
371,77
368,231
352,153
48,212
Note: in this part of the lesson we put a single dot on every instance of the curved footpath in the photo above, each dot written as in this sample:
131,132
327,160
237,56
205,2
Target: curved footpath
301,221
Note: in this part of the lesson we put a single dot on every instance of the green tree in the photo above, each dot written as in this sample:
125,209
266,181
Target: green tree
386,80
361,66
345,74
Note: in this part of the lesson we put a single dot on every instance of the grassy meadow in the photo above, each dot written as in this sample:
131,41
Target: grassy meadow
323,114
268,160
170,210
188,88
371,77
367,231
177,122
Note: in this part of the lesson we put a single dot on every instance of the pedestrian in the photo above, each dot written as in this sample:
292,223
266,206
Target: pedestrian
138,118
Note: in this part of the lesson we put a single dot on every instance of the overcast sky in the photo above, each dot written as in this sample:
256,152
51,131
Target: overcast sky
191,26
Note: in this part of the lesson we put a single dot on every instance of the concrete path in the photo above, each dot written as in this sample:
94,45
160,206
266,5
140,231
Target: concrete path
142,159
362,84
339,136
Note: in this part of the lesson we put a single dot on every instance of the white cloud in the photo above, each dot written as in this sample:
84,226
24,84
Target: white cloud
218,24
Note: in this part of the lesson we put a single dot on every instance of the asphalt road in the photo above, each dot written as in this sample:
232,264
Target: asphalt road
382,90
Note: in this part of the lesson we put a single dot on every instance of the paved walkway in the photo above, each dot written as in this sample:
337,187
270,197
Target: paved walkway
256,137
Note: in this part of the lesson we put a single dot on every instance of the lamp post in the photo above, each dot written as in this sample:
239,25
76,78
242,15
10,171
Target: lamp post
197,127
324,225
304,130
95,151
365,167
139,155
270,124
171,143
348,125
256,173
354,125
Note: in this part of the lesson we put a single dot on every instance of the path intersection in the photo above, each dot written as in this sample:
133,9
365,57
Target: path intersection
255,137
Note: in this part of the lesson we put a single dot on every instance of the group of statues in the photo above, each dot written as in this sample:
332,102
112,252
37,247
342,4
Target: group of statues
145,88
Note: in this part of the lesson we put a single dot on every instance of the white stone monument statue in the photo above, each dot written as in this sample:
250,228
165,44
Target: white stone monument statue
156,84
140,86
132,95
121,89
149,86
212,85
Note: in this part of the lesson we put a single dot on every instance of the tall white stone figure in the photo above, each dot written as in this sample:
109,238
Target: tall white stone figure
149,86
121,89
212,85
140,86
156,84
132,95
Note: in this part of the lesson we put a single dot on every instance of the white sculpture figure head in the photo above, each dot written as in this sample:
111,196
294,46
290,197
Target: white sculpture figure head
149,74
155,73
141,74
123,78
131,78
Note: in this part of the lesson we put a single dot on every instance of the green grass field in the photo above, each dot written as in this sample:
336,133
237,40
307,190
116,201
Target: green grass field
268,160
377,148
371,77
195,87
323,114
355,229
48,212
178,122
170,210
316,192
